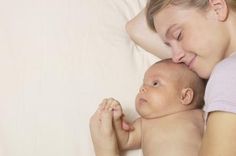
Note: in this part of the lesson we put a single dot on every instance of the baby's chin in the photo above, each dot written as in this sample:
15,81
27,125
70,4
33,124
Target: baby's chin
145,113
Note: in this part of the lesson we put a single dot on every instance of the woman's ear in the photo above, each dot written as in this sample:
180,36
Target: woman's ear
220,9
186,97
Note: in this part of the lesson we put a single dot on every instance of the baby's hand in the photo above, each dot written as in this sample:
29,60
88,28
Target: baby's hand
118,115
112,105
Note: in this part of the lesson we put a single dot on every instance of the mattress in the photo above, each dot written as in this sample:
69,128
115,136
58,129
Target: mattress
58,60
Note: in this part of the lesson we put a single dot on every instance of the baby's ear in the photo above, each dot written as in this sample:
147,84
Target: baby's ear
186,97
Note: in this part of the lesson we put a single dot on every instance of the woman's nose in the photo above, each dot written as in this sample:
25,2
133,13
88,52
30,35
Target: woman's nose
178,54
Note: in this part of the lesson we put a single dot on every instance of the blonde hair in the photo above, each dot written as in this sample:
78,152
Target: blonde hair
155,6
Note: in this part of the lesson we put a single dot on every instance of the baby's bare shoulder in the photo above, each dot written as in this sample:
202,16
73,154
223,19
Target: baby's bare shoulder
191,118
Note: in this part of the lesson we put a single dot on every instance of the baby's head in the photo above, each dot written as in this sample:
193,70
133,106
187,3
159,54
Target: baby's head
169,88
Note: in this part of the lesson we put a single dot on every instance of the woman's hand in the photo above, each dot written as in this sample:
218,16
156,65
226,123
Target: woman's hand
103,134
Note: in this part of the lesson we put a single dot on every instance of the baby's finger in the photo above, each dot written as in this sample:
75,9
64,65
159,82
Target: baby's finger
113,103
109,104
126,126
116,105
111,100
103,104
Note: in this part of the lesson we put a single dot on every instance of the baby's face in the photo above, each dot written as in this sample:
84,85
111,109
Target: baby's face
160,92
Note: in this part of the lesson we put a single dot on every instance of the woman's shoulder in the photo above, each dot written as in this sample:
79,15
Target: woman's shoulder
221,87
225,68
222,80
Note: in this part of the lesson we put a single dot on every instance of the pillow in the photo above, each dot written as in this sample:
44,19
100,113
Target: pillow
58,60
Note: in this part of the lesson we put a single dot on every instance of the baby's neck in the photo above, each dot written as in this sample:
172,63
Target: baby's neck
177,114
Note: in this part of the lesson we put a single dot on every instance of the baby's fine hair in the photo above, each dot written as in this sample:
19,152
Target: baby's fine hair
155,6
190,79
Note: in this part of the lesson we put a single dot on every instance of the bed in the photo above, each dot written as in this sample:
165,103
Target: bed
58,60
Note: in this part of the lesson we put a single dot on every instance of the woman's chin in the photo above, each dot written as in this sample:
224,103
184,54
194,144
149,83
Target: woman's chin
204,74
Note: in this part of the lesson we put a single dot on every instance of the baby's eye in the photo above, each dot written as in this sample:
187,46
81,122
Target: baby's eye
155,83
167,44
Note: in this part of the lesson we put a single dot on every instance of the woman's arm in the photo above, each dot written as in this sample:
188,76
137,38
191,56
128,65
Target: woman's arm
149,40
220,136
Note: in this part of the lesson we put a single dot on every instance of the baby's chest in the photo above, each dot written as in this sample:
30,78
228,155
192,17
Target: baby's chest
166,139
154,140
158,137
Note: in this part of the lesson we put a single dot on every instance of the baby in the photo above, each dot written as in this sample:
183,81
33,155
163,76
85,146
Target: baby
169,104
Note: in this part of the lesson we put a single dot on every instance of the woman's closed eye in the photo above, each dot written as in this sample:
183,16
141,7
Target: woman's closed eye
178,35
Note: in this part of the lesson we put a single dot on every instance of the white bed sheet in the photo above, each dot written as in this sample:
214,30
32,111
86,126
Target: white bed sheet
58,60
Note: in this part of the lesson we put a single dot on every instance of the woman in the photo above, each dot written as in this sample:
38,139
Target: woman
201,34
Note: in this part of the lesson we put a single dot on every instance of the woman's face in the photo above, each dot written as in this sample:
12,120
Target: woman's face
196,38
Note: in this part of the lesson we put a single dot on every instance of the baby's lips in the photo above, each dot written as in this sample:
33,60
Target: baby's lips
142,100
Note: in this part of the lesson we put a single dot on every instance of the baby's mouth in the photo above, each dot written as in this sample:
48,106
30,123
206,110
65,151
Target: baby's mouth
142,100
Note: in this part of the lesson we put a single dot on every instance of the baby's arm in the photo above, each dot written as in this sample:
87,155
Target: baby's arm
127,139
149,40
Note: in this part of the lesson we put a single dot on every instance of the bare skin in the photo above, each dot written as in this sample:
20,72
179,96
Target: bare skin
160,139
169,115
137,29
100,128
165,136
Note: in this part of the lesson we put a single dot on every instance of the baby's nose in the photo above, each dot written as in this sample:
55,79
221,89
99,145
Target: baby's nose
143,89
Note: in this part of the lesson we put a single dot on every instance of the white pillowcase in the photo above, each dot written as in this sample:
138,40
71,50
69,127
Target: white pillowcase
58,60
